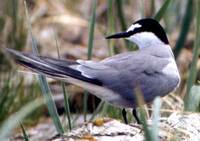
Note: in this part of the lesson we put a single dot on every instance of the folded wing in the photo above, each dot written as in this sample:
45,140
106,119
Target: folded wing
50,66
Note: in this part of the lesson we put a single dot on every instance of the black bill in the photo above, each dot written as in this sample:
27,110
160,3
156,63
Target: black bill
119,35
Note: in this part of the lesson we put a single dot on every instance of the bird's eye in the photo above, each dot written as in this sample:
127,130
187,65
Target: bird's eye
133,27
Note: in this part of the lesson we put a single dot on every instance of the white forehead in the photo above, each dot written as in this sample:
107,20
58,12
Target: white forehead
134,26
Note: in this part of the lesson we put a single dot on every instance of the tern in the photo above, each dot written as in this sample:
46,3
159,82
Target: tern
152,68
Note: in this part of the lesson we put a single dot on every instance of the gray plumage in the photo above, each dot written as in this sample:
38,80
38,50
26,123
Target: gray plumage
118,76
152,68
143,68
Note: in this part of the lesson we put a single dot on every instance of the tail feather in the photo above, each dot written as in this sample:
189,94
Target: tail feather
54,68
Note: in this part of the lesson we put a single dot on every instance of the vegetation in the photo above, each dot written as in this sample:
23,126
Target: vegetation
23,100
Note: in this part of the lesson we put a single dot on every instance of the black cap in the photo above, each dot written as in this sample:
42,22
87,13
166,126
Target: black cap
147,25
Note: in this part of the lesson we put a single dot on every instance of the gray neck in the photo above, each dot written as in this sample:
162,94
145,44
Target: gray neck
163,51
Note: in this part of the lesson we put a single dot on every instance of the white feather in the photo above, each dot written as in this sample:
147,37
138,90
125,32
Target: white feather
145,39
133,27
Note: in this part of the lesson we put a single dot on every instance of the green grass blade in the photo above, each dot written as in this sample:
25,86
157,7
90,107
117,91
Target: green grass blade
66,106
26,138
187,20
142,114
156,118
142,8
153,7
44,85
14,120
91,30
50,104
122,20
65,92
85,100
193,103
33,41
98,109
111,26
90,48
2,23
193,68
162,10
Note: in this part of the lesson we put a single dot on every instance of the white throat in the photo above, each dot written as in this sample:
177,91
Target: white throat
145,39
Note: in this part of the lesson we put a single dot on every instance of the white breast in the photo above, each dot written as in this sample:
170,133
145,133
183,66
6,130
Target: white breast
171,70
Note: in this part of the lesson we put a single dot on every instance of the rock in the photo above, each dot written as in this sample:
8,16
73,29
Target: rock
181,126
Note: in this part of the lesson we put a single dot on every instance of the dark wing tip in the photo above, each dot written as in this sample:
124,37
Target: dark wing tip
9,51
49,66
12,52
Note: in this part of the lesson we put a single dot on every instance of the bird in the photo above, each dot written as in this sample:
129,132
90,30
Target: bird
152,68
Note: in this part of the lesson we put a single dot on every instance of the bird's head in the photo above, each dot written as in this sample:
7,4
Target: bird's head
144,33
